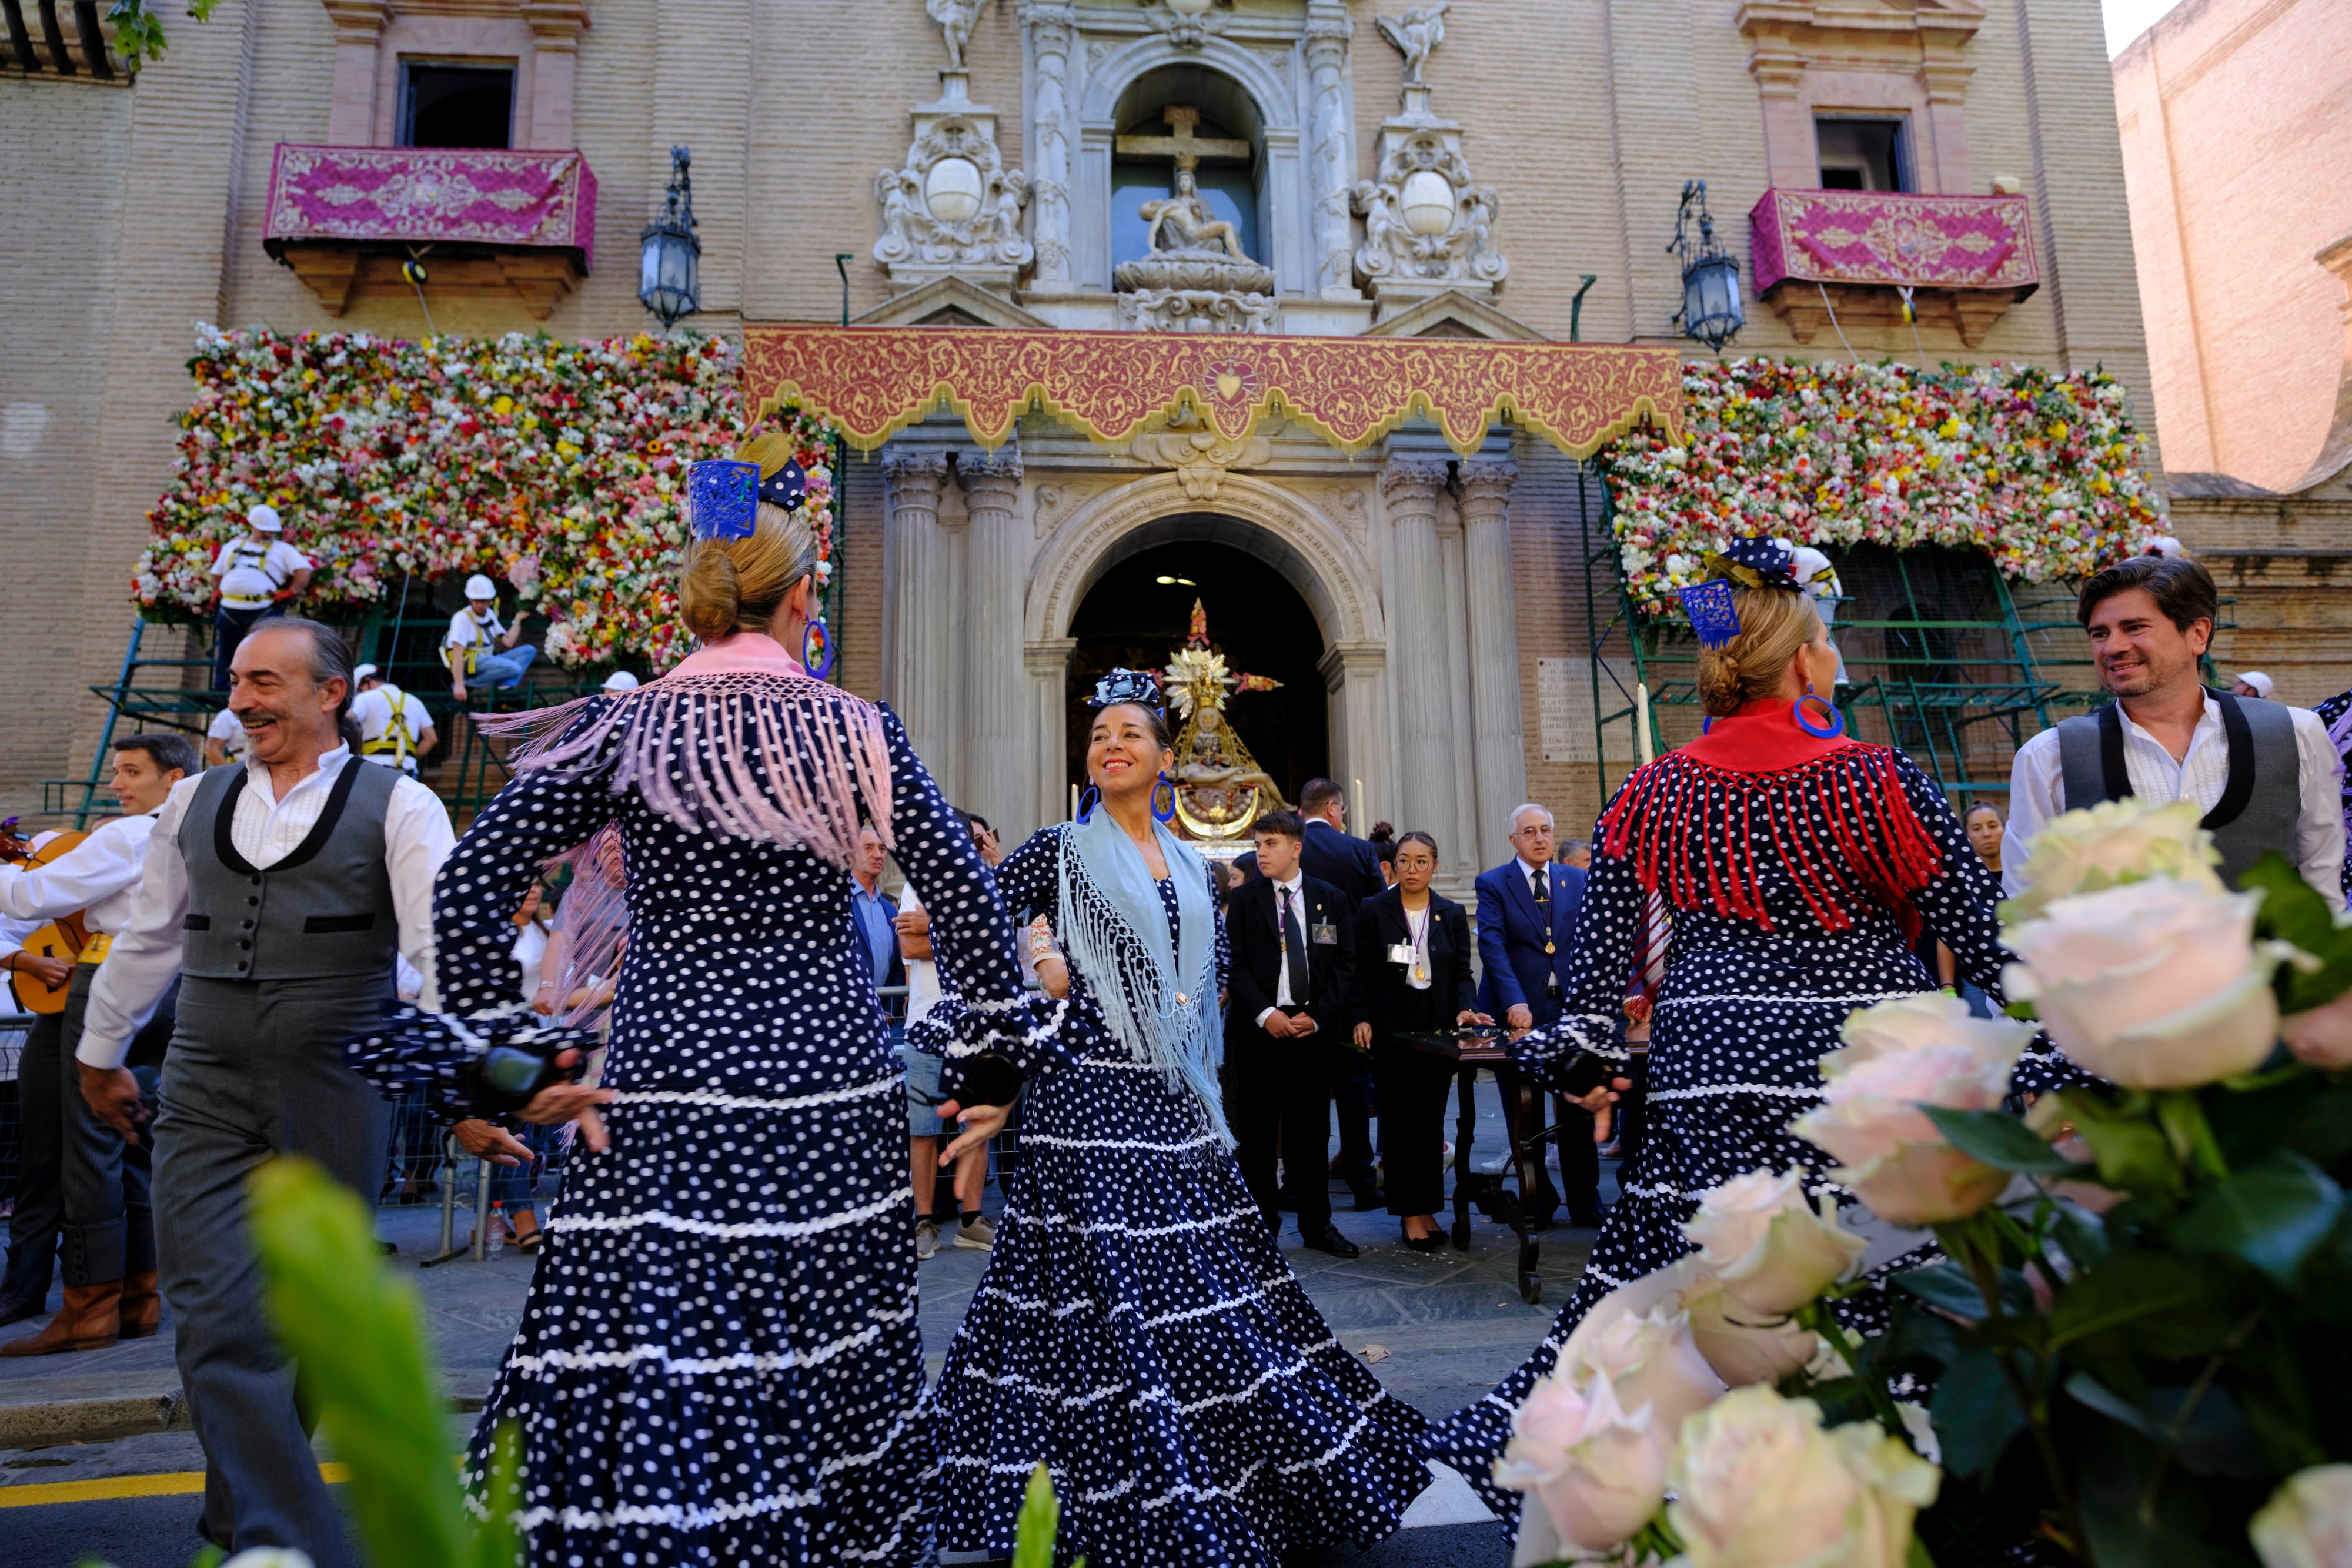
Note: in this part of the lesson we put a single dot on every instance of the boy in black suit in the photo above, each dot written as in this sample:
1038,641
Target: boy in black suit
1294,951
1330,853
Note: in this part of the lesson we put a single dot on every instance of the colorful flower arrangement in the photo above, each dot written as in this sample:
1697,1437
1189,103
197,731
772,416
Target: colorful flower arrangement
2119,1349
559,467
2039,471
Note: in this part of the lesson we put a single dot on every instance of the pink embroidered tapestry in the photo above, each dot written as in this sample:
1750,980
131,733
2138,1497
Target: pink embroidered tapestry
1889,238
475,195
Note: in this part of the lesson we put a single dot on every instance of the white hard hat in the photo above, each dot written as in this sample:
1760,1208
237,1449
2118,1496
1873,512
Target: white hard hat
362,673
480,586
2258,680
263,516
620,681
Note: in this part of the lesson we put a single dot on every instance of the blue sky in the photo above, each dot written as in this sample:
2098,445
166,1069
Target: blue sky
2127,19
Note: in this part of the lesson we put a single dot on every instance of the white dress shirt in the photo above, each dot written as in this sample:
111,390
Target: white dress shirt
1284,995
265,829
2037,790
98,875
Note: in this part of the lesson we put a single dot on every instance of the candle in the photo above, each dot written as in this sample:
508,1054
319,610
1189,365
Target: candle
1643,751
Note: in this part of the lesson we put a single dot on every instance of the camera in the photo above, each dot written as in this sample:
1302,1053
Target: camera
507,1076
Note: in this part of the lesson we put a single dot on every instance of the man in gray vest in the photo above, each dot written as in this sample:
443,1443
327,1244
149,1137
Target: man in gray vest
278,890
2265,774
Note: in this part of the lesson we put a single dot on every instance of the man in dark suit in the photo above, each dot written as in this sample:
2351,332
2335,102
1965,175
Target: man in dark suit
1527,917
1352,866
1294,951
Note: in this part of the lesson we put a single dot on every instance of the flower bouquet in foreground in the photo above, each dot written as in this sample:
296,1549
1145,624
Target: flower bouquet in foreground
2111,1331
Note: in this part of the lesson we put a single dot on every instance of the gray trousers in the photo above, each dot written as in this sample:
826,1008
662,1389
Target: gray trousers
255,1070
33,1224
109,1223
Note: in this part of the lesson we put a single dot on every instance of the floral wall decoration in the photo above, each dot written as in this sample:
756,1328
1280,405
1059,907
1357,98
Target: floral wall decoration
2039,471
557,467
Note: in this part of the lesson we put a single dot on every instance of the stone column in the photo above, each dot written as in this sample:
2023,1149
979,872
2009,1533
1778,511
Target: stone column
995,698
921,658
359,29
1050,25
1331,157
1428,795
556,30
1048,664
1498,748
1354,676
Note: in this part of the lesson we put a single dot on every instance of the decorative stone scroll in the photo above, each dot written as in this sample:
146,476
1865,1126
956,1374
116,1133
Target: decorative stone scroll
1428,225
953,208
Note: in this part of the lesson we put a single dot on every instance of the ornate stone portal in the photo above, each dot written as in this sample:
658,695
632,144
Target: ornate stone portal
953,208
1428,227
1220,787
1196,278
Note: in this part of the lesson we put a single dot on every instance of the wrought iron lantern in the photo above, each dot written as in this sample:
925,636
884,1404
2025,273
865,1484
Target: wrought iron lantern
669,272
1710,312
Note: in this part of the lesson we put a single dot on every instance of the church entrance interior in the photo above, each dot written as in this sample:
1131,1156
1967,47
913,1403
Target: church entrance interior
1140,614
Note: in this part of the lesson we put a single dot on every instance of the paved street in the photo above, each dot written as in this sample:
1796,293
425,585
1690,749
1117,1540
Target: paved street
1438,1329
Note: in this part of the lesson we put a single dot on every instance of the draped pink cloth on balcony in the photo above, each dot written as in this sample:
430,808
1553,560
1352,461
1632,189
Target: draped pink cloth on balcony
473,195
1894,238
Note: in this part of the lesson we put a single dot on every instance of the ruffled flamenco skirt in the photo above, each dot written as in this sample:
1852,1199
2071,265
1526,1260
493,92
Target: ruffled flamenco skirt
1138,1334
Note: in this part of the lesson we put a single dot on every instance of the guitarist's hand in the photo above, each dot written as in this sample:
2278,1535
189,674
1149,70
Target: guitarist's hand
113,1093
50,972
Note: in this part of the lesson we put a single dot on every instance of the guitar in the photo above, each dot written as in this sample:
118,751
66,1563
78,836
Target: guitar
64,937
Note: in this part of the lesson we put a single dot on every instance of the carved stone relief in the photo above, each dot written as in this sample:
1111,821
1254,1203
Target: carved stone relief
1428,225
1194,310
953,208
1200,454
1188,24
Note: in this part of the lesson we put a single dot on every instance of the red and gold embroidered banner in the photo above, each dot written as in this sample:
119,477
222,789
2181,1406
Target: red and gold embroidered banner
873,382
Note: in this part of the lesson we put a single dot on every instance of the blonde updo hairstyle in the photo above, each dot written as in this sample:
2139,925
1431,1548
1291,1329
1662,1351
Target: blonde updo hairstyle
1773,625
738,585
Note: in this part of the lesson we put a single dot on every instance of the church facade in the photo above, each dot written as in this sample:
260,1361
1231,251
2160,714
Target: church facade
1418,614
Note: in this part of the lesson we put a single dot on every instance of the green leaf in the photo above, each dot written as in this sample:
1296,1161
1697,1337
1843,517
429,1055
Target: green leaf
1998,1139
1977,1415
1918,1556
2156,1302
2272,1215
2130,1150
358,1337
1040,1522
2213,1441
1948,1286
2294,912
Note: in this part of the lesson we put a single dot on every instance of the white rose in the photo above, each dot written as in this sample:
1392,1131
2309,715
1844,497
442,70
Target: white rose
1598,1473
268,1557
1740,1343
1758,1484
1925,1050
2115,841
1759,1235
2153,984
2307,1523
1649,1358
2323,1035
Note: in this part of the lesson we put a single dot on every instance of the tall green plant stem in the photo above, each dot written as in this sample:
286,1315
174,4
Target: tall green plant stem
1976,1242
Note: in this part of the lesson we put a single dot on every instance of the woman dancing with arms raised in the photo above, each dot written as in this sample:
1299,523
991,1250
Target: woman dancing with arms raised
718,1360
1136,1332
1797,862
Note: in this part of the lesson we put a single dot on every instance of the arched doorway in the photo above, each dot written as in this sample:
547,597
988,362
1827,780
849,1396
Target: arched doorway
1140,611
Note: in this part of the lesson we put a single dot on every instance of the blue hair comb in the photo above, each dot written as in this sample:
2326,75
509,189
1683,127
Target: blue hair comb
722,498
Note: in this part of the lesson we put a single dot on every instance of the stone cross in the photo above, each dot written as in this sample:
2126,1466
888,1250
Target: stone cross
1180,144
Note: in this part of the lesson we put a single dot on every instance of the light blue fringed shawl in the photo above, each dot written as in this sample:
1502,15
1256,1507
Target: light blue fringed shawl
1160,1002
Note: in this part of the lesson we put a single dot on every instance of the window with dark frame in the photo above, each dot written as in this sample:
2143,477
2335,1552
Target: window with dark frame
1863,154
449,105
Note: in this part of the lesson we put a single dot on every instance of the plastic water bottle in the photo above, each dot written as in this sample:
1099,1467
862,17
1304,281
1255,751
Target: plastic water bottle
498,1226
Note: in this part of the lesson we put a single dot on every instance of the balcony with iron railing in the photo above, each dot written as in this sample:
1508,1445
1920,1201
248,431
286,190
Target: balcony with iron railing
488,222
60,40
1858,257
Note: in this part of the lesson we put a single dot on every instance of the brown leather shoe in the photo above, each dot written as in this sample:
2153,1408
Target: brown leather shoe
90,1319
143,1306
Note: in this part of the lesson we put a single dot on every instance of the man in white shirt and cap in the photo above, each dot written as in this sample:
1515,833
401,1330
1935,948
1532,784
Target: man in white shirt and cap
224,739
394,726
479,647
2252,684
280,891
2265,775
109,1226
620,681
259,573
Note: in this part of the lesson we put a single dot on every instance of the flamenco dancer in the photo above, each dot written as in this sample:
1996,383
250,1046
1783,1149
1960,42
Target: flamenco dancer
719,1361
1137,1332
1796,860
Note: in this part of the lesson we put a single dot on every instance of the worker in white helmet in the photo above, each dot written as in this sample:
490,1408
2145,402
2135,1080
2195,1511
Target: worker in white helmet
394,726
620,681
480,646
259,575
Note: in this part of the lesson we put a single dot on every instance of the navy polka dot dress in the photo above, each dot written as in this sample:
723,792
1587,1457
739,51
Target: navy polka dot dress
1138,1332
1787,891
718,1360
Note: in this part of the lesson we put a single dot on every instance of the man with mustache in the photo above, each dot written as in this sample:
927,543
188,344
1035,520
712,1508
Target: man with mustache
279,891
2264,773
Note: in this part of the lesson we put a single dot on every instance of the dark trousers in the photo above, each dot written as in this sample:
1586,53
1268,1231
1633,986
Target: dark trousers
229,627
39,1215
1413,1086
109,1220
255,1070
1355,1087
1278,1101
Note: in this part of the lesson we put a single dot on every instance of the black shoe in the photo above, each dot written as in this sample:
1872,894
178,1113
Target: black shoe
1331,1241
1586,1216
1368,1199
1429,1243
17,1309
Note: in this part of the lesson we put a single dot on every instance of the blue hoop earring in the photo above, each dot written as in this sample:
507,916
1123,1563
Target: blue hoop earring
1170,814
1830,728
816,650
1087,801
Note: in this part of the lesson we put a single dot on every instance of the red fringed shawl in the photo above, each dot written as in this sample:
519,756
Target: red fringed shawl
1831,812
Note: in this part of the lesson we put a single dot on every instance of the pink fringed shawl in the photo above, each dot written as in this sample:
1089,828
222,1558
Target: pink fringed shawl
685,744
